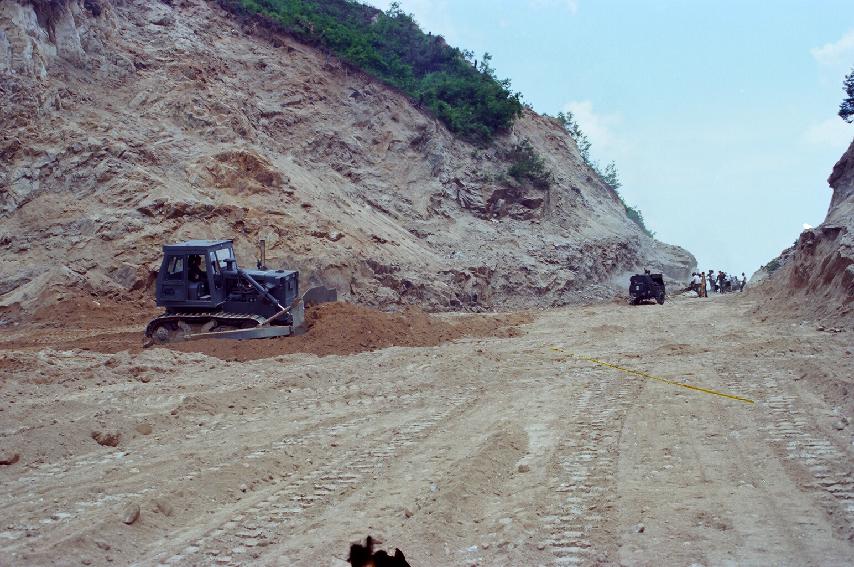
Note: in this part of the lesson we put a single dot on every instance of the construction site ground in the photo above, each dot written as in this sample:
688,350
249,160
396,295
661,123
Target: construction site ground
487,442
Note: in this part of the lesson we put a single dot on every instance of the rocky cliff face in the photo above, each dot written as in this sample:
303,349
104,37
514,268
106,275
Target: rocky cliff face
841,180
815,277
127,124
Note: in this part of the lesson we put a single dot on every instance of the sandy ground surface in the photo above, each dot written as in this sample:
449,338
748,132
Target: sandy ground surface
492,449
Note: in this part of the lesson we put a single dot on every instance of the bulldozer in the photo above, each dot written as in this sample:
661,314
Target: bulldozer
207,295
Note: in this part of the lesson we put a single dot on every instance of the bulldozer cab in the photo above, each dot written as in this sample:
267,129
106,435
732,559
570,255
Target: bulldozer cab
191,274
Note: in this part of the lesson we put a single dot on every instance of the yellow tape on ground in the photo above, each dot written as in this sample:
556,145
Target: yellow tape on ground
653,377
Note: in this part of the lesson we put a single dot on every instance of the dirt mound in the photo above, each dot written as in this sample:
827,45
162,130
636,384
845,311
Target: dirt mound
81,322
343,328
87,312
333,328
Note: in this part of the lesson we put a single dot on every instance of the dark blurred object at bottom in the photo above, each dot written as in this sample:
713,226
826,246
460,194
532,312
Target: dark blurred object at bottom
364,556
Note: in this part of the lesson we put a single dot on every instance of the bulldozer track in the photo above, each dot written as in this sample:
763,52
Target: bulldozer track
791,429
487,451
241,537
219,316
586,465
827,466
352,466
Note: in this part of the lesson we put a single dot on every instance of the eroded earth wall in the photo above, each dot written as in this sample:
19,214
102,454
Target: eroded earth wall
816,275
128,124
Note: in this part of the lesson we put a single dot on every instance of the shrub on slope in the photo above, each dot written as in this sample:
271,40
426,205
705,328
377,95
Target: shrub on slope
464,94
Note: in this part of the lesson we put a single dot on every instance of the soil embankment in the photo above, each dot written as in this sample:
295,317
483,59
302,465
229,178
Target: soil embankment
127,125
815,277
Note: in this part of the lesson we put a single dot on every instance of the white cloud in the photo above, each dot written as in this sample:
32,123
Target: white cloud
807,226
599,128
833,132
571,6
838,52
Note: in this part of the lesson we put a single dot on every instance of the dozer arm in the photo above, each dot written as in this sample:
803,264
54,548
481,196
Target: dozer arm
260,289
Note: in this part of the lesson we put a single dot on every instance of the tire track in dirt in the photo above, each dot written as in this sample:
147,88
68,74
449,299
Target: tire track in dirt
828,467
817,463
578,525
241,537
78,470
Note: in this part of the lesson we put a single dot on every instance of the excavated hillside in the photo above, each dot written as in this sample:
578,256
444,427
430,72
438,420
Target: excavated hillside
815,277
128,124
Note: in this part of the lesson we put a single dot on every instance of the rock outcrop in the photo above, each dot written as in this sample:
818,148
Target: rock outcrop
129,124
815,277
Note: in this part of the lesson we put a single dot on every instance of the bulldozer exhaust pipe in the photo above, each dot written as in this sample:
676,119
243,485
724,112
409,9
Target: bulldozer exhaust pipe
262,253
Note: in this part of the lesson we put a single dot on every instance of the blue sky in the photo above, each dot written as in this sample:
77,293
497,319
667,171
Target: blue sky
721,116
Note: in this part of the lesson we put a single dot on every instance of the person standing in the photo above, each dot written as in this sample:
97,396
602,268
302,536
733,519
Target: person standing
695,283
712,281
743,281
721,281
702,290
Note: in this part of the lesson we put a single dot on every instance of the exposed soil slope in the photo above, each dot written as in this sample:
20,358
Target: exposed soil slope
816,275
129,124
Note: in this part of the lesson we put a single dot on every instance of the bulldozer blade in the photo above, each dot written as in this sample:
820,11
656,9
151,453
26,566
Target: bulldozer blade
298,315
310,298
318,295
256,333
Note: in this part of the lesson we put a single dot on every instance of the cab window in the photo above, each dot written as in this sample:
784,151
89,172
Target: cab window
175,268
222,255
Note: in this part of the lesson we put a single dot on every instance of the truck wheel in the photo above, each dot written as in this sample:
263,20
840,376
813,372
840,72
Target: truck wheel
660,298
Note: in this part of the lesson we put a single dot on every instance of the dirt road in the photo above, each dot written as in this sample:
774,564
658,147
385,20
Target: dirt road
484,450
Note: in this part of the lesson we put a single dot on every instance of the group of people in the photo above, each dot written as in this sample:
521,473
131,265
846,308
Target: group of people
716,283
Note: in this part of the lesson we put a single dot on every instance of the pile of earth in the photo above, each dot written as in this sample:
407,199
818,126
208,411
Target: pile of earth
343,328
332,328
